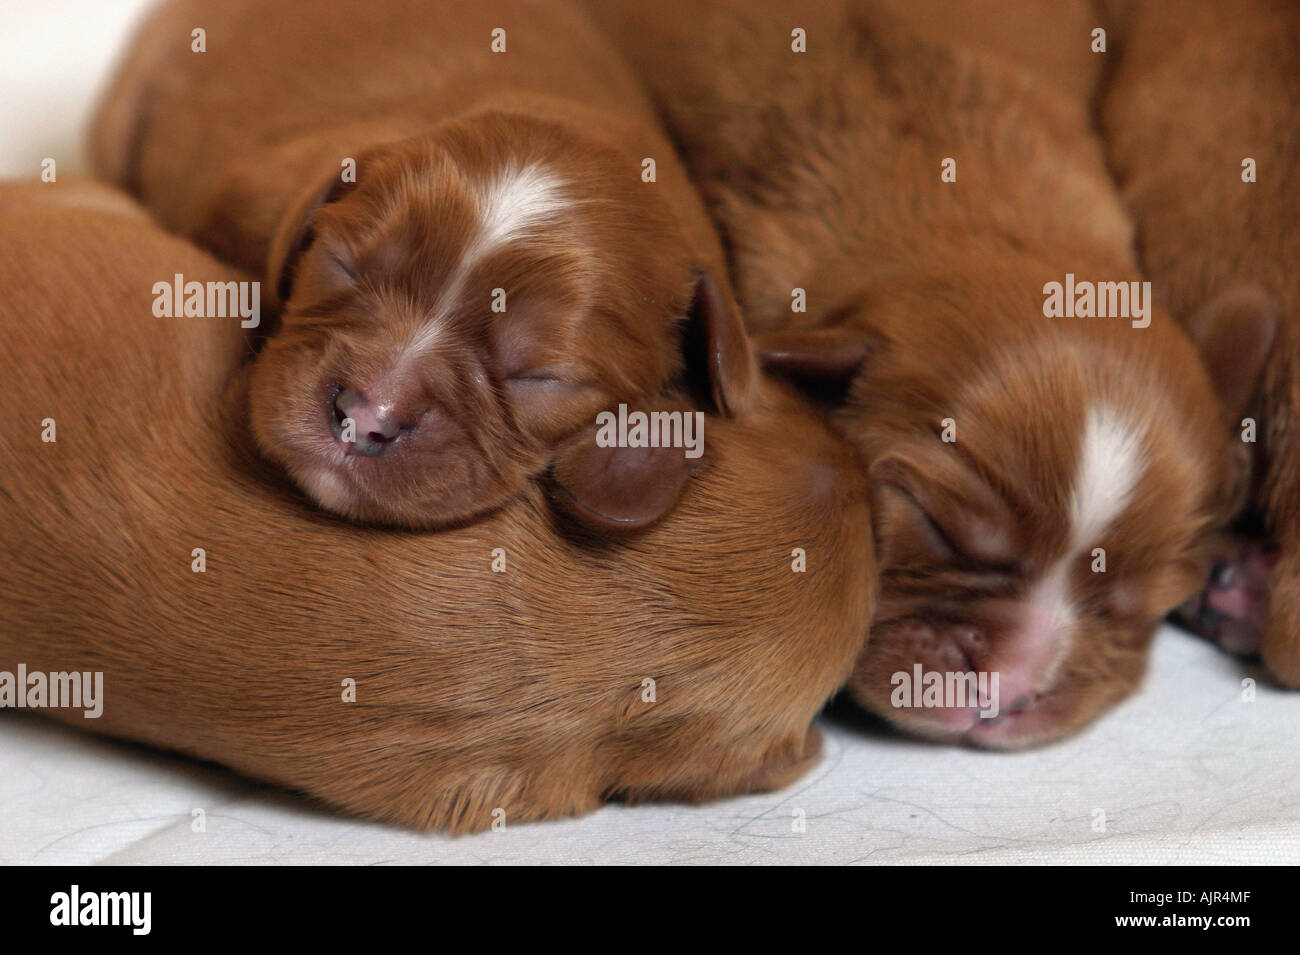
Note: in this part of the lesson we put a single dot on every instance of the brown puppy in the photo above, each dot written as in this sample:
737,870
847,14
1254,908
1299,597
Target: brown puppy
1201,88
1201,251
497,666
450,200
1044,485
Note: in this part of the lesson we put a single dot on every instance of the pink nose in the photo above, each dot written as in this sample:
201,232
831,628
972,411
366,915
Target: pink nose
364,428
1024,656
1009,671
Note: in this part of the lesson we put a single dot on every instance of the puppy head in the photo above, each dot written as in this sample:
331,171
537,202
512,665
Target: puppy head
1043,496
455,317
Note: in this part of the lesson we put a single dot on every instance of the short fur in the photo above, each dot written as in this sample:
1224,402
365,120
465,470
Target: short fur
522,690
390,281
1201,85
823,169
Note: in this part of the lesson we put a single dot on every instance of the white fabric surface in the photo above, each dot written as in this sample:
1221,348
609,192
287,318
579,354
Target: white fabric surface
1186,772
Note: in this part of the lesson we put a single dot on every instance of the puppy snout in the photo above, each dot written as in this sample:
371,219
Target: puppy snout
363,426
966,649
950,649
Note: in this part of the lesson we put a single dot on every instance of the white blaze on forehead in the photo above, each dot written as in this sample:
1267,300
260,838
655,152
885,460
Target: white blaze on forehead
510,207
512,204
1110,464
1108,469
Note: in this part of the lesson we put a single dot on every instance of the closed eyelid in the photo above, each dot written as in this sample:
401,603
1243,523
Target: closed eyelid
974,519
938,538
936,531
542,373
574,375
979,541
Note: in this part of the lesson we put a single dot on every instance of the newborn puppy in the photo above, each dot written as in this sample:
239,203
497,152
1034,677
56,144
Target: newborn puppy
449,201
905,218
1203,99
494,673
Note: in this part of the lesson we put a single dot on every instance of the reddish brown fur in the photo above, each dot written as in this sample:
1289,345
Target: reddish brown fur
238,146
1051,39
1200,86
823,170
475,690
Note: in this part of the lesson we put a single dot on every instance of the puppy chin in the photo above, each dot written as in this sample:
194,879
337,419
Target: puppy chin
1051,719
966,726
340,490
1057,714
328,489
332,490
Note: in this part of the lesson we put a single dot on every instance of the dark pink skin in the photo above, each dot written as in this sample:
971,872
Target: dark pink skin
1232,607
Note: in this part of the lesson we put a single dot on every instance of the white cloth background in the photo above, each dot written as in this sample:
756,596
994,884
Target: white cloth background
1186,772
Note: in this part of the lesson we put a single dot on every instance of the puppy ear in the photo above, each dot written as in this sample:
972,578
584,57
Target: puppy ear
294,234
623,488
831,355
716,339
1234,333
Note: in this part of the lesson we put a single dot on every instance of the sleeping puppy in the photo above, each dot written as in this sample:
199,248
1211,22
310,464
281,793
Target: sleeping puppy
499,672
907,219
1217,77
449,201
1204,137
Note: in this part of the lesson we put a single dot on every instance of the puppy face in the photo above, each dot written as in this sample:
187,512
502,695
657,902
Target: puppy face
464,310
1041,501
1043,546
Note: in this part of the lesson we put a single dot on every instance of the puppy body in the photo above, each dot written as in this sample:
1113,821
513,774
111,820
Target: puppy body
499,666
1201,87
495,272
1036,512
1054,41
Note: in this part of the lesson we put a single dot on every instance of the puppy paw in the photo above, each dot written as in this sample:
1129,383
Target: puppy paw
1232,608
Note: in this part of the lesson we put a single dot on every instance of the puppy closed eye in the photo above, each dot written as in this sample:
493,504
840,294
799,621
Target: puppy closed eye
549,400
326,268
912,532
542,374
951,537
544,381
935,537
940,512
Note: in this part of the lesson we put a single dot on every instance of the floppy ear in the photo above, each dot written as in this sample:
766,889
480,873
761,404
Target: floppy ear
831,355
627,488
716,343
624,488
294,233
1234,333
